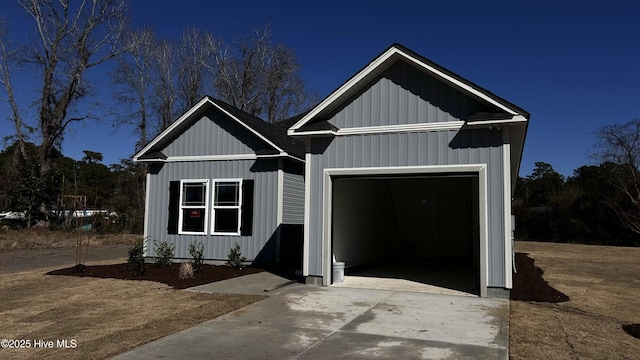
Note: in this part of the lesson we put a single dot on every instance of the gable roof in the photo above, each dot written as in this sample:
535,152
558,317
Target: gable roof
272,134
502,112
394,53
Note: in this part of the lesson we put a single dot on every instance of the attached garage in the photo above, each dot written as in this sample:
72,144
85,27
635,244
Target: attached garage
408,163
421,227
420,224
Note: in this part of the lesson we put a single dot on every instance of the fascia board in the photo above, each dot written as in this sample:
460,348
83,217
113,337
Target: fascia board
458,83
187,115
248,127
171,128
343,89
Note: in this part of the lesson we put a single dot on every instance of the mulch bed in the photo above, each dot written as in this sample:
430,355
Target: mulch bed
632,329
168,275
528,284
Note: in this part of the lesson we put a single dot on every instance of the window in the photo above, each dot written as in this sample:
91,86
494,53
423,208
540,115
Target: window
190,211
194,196
227,195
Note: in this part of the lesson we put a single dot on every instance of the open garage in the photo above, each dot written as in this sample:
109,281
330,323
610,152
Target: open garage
423,164
423,228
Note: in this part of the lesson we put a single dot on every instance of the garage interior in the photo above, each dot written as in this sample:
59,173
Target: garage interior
419,228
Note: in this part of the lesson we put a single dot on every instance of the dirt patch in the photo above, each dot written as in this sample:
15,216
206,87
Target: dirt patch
603,285
167,275
529,285
43,238
26,260
105,317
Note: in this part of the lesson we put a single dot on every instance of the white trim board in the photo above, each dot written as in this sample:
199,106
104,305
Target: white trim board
506,208
280,201
403,128
307,209
327,195
147,206
514,120
171,127
220,158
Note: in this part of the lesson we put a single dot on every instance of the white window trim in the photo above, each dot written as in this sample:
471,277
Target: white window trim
239,207
205,207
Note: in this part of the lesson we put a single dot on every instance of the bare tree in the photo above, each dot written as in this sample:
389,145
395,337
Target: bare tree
194,61
619,144
285,91
159,78
164,89
6,58
260,78
133,78
71,37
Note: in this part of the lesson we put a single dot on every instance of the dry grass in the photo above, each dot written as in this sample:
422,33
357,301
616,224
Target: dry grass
603,284
43,238
104,316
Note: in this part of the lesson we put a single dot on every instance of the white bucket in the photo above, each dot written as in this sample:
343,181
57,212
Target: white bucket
338,272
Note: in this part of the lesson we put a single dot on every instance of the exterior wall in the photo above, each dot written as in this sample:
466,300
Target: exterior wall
261,245
403,94
451,147
293,193
214,134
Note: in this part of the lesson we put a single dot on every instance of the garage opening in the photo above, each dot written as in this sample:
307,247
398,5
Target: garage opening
423,229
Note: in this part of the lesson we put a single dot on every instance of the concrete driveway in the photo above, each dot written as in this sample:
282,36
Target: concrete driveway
306,322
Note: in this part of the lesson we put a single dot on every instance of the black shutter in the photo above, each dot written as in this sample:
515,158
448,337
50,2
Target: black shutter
174,206
246,223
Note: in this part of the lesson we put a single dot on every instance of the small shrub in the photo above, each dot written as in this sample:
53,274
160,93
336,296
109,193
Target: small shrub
135,262
186,271
235,258
164,253
197,254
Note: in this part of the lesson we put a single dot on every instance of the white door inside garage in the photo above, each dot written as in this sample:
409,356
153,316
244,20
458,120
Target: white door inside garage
422,228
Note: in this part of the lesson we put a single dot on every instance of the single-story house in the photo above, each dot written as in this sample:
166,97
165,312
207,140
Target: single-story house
406,160
219,176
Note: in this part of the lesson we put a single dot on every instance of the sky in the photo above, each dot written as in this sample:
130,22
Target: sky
573,65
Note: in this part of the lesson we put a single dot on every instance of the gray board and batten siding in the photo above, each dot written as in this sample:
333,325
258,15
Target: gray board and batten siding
403,94
211,132
216,247
478,146
293,193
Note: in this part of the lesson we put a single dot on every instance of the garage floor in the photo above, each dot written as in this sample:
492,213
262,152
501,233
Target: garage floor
436,277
